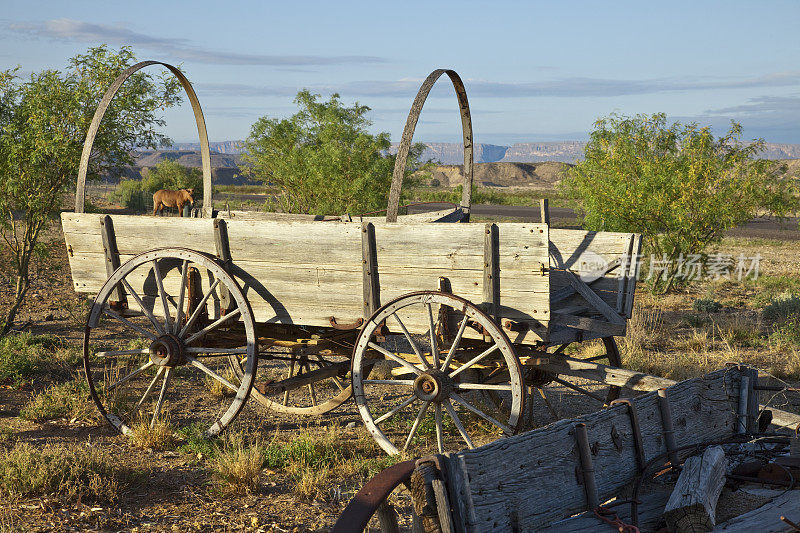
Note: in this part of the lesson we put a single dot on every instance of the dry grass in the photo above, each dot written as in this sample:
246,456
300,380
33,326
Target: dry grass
64,400
237,467
71,472
161,436
217,389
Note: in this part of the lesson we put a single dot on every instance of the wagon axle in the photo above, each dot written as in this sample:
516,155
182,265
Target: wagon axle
167,351
433,386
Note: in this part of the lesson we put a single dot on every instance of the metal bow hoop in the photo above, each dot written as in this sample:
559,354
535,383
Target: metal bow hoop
205,155
408,135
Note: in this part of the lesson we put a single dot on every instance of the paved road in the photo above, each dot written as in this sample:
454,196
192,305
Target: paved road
757,228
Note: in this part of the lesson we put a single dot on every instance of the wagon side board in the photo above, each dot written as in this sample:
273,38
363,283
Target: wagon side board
592,283
305,272
525,482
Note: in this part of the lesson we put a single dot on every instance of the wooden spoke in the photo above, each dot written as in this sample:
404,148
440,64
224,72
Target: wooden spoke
128,323
432,330
290,374
394,411
197,364
130,376
116,353
569,385
457,421
474,360
507,430
201,305
437,413
416,424
412,342
143,307
388,382
215,351
160,402
150,388
481,386
213,325
395,357
181,294
311,390
549,405
452,352
163,294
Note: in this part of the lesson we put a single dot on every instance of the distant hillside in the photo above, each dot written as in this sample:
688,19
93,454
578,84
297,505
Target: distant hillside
223,147
542,175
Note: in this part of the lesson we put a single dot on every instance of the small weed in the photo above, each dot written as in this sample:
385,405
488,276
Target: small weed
64,400
71,472
217,389
237,467
698,341
159,436
194,442
706,305
787,335
6,434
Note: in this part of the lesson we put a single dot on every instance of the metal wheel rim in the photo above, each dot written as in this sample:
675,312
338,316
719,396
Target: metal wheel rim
245,314
360,374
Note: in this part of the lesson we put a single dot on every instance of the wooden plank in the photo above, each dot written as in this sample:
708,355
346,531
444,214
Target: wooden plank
594,300
588,324
491,270
766,519
693,503
633,275
370,281
544,210
111,253
625,265
527,481
649,512
222,245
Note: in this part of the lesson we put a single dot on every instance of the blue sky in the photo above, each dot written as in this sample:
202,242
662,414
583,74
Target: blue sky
534,71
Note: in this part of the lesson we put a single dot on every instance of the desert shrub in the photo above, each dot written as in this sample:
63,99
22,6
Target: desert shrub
71,472
129,194
706,305
63,400
782,308
168,174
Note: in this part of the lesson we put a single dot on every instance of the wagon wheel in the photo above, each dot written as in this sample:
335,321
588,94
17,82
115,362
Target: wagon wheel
419,389
543,385
163,357
313,399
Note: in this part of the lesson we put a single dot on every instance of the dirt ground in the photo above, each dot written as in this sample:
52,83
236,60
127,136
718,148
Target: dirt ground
178,494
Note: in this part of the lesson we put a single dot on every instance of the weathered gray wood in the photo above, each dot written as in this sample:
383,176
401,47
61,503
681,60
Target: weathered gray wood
625,264
633,274
544,210
620,377
387,517
766,519
527,481
222,245
593,299
491,270
649,513
588,324
692,507
111,253
369,260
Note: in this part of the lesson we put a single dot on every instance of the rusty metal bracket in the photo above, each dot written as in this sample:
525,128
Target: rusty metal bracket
345,327
638,444
356,515
408,136
205,154
667,427
586,466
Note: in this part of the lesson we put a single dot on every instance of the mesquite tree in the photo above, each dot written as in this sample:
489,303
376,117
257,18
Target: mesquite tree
678,185
43,122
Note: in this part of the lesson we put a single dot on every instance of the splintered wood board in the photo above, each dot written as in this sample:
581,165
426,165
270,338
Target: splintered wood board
525,482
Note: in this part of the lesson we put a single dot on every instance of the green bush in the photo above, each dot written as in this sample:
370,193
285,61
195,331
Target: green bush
169,174
64,400
24,355
706,305
783,308
129,194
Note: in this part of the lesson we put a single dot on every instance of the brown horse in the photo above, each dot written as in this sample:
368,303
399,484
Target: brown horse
167,198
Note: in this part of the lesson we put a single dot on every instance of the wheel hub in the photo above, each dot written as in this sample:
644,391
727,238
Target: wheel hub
167,350
433,386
